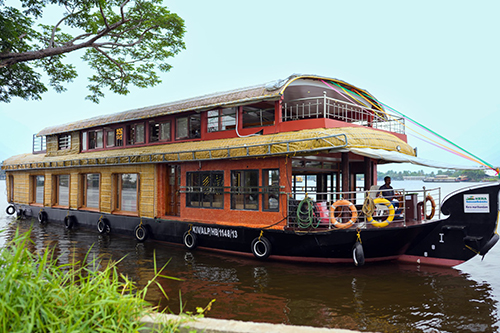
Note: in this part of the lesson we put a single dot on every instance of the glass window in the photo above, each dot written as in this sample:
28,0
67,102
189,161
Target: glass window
110,138
139,136
188,127
221,120
91,190
95,139
205,189
159,131
245,189
254,117
271,189
135,133
127,192
62,190
84,141
39,189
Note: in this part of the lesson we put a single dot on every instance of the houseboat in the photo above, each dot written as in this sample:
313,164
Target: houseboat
268,171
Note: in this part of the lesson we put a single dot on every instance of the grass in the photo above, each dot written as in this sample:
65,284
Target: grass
40,295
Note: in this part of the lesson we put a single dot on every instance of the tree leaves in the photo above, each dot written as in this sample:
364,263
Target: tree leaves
127,43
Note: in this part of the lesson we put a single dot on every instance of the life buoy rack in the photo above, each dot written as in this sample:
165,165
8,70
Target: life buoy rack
433,207
190,240
103,225
352,220
141,232
389,219
261,247
42,217
10,209
69,221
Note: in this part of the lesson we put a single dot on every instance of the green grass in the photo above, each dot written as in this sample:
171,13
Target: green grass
37,294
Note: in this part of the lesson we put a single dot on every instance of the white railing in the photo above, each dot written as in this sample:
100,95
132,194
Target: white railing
326,107
410,207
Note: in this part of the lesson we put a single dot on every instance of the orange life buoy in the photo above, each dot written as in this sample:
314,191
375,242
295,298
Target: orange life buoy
352,220
433,207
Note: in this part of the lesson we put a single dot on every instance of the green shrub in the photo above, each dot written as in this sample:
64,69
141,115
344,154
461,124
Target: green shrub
40,295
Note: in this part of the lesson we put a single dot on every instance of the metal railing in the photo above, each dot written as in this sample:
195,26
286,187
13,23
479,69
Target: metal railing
326,107
332,210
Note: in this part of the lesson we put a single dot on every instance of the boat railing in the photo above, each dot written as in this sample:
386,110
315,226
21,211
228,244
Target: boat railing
331,108
308,211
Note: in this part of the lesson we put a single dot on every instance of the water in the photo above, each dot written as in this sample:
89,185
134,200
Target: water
385,297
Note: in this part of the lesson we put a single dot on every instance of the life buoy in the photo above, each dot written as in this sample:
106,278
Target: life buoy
42,217
103,225
389,219
261,248
433,207
69,221
10,209
354,214
190,240
141,233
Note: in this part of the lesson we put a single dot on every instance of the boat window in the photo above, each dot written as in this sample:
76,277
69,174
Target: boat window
159,131
126,194
271,190
221,120
205,189
91,190
245,189
255,117
84,141
188,127
95,139
39,189
114,137
10,198
135,133
64,141
62,190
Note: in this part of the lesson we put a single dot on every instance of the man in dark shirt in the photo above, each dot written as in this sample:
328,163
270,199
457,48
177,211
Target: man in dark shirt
389,192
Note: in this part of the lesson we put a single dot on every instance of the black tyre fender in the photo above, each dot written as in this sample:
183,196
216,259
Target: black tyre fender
261,248
42,217
103,226
69,221
141,233
10,209
20,213
358,255
190,240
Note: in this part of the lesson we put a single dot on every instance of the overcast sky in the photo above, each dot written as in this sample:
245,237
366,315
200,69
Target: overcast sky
435,61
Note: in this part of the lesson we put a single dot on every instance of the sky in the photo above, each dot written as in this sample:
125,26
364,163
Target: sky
434,61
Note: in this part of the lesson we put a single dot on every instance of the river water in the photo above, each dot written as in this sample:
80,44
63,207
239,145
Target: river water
382,297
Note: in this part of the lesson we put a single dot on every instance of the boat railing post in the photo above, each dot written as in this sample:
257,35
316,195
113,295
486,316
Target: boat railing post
324,104
424,206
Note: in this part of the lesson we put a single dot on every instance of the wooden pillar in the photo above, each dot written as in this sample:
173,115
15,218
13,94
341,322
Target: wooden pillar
368,173
345,174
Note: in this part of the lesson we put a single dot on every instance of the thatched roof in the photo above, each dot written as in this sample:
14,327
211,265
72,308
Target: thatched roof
264,92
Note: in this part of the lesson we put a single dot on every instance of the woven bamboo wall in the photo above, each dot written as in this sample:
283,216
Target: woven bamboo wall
147,190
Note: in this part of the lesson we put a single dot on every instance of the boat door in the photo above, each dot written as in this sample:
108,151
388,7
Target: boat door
172,190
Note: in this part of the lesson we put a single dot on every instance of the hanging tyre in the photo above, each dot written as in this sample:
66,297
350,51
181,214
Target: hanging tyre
103,226
69,221
141,233
358,254
261,247
42,217
10,209
20,213
190,240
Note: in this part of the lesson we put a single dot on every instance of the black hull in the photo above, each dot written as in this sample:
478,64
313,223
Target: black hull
445,242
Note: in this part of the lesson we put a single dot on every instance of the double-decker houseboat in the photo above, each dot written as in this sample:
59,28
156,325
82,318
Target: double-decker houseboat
269,170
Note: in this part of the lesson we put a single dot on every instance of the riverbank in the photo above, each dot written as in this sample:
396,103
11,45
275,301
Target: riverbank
208,325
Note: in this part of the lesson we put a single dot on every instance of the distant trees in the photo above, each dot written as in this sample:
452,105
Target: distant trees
472,175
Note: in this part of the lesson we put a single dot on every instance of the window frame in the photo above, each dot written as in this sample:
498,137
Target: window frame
190,128
153,123
57,190
197,190
34,197
245,111
222,125
238,191
268,190
96,132
131,134
84,192
64,141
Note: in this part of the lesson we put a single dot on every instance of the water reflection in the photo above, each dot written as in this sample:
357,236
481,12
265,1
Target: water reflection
382,297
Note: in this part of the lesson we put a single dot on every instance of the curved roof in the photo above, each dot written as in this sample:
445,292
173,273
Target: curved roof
264,92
